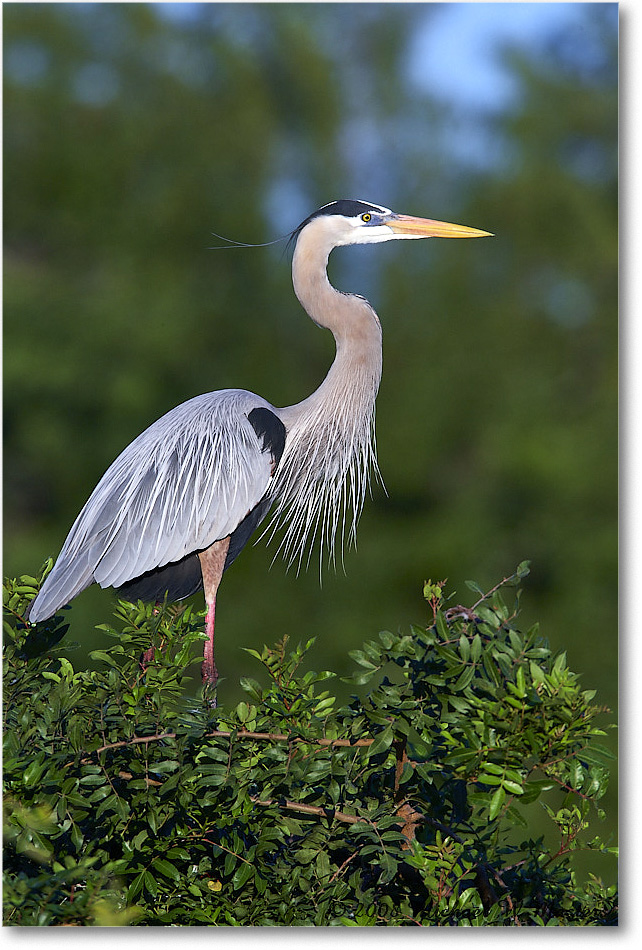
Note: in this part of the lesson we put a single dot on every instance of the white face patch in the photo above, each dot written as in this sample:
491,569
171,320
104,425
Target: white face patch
350,221
362,233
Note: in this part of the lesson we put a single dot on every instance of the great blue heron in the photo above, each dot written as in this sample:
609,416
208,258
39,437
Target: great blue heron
178,505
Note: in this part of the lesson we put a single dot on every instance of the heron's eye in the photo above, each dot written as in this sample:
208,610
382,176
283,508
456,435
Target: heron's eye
366,217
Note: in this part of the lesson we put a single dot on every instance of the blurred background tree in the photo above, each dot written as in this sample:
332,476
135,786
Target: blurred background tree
133,131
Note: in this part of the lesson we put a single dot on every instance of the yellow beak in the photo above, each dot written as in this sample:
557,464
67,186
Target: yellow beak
423,227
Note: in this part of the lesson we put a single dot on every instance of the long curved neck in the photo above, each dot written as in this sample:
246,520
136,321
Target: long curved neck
351,320
329,449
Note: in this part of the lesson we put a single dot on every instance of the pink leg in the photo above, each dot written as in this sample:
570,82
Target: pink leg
210,672
147,657
212,566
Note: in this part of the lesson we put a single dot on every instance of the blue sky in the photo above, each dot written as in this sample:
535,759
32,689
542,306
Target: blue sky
469,35
457,57
472,34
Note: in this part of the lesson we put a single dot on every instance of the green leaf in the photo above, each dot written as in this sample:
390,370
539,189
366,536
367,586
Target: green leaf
388,866
513,787
166,869
461,705
516,817
251,687
150,883
533,789
595,754
387,639
487,779
560,664
33,772
520,682
382,741
306,855
136,885
464,679
537,674
442,626
496,802
242,875
474,586
362,660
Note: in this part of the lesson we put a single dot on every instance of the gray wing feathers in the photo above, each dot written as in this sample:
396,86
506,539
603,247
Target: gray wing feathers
185,482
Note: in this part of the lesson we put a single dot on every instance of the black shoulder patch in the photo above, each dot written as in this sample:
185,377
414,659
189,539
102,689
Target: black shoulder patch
268,425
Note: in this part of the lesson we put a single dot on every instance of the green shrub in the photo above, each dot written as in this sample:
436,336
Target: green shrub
128,803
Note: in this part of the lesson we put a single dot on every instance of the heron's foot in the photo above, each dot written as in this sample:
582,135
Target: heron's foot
147,658
209,674
209,693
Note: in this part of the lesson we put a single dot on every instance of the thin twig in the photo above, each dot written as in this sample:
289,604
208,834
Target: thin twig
343,866
315,810
217,844
509,901
242,734
127,776
492,591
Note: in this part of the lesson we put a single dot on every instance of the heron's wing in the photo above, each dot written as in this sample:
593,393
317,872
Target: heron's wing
188,480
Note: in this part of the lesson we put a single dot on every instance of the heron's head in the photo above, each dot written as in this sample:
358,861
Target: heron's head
360,222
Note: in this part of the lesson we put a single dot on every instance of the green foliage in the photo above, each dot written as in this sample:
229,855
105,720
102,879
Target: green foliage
127,803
